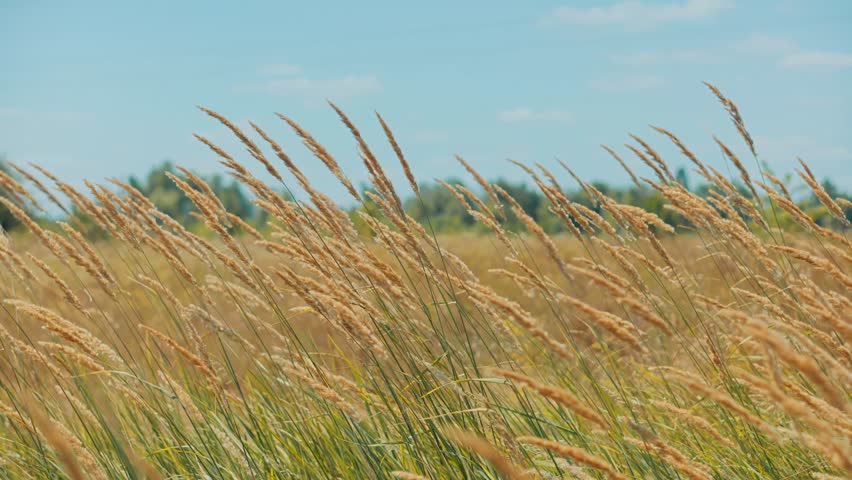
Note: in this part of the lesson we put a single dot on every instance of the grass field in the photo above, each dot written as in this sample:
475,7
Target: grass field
619,350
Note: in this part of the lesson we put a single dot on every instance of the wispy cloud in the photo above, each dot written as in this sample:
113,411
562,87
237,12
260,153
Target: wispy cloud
817,58
791,55
343,87
664,58
628,83
280,69
430,137
290,80
18,114
763,44
785,149
526,114
634,14
12,112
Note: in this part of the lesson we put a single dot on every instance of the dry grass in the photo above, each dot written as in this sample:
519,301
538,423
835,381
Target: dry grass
312,351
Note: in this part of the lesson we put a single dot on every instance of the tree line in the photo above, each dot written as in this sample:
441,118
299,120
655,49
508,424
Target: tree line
434,204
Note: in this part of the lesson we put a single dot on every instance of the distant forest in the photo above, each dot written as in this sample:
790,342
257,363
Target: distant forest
435,204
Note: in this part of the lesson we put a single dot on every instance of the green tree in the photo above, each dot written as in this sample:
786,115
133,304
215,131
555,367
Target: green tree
163,192
436,205
7,220
171,200
530,201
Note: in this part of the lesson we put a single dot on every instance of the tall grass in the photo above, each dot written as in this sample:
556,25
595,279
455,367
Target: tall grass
313,351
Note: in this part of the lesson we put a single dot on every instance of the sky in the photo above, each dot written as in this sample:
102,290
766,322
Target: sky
95,89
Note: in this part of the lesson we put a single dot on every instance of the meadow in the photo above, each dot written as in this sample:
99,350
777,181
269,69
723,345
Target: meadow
619,349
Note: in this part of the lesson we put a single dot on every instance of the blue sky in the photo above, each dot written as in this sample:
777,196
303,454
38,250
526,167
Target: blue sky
94,89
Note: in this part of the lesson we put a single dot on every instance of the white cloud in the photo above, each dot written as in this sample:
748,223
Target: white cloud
311,89
525,114
19,114
827,157
430,136
782,151
283,69
343,87
792,144
634,14
790,55
659,58
786,7
817,58
763,44
12,112
836,153
628,83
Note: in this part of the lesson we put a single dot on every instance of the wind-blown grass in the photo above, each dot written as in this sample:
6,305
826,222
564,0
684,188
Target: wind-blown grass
621,350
